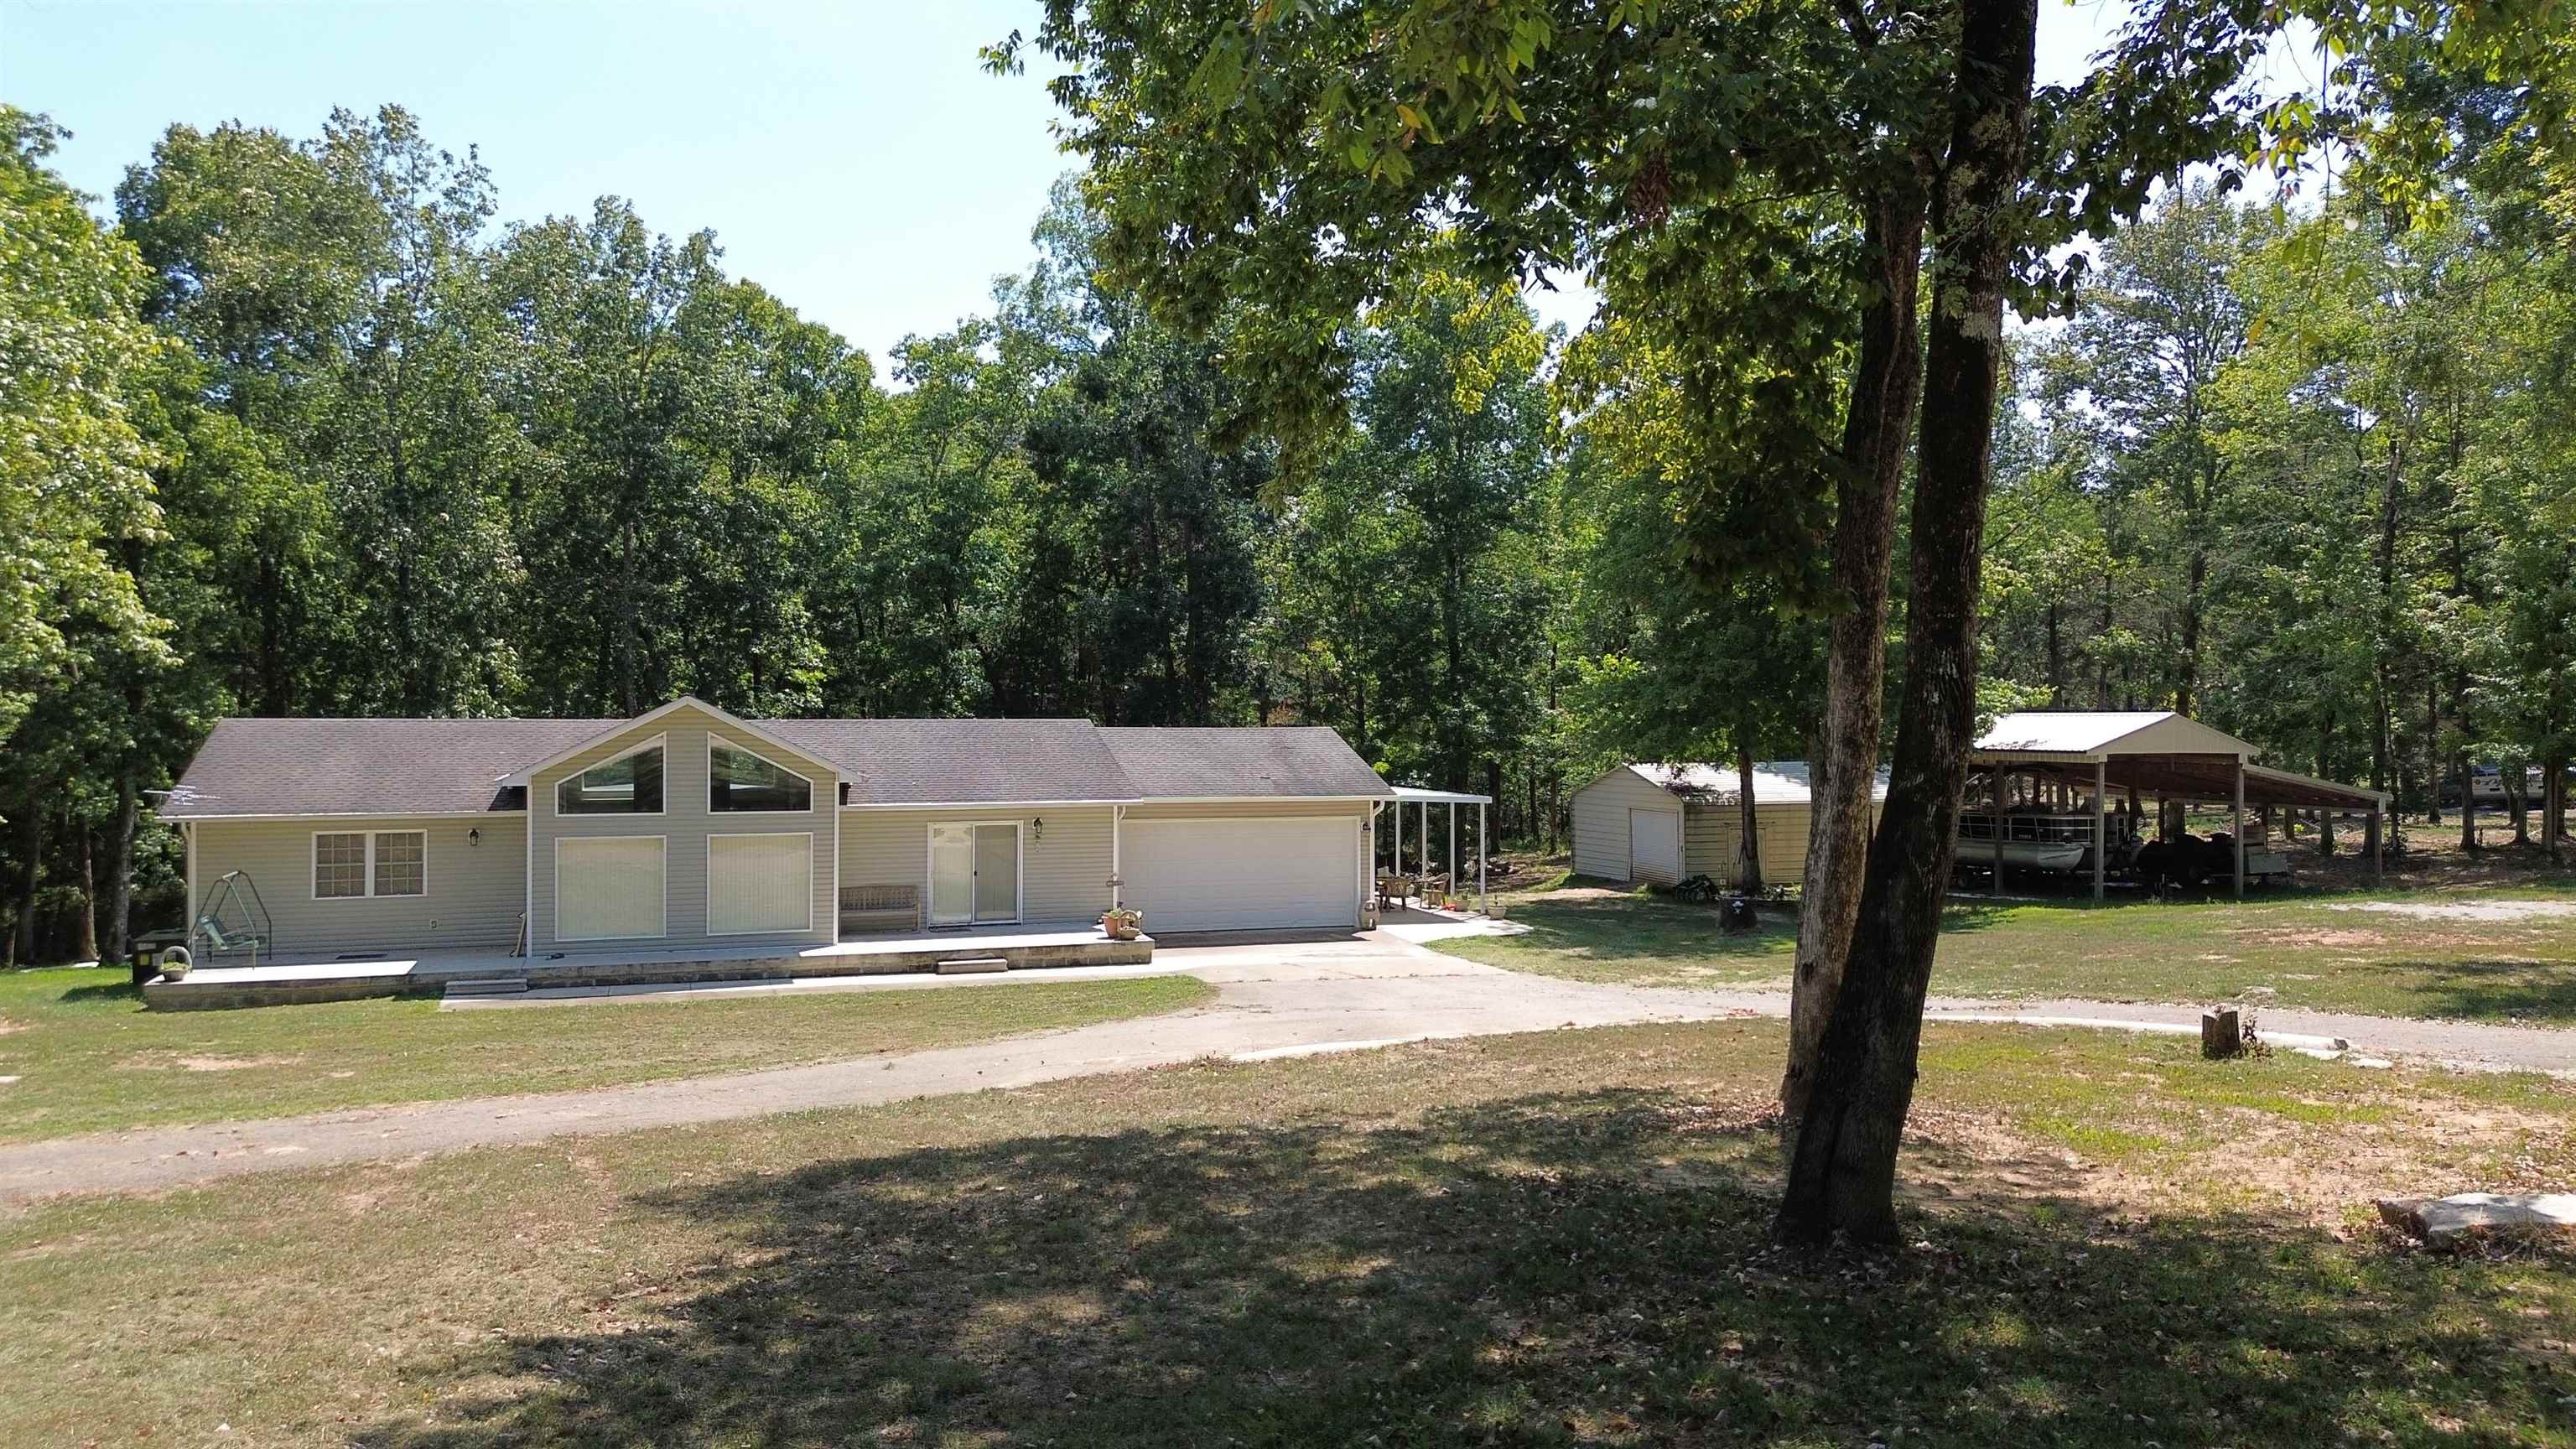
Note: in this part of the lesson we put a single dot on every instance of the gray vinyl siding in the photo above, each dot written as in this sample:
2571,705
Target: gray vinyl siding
473,901
1600,822
685,825
1064,871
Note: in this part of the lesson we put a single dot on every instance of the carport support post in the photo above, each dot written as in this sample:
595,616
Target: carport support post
2101,782
1482,842
1995,788
1450,866
2236,827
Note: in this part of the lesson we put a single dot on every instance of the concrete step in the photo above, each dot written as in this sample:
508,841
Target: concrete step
488,986
973,965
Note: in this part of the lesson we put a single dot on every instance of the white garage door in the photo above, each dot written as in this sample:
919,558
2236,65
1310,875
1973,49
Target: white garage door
1242,875
608,887
1655,845
759,884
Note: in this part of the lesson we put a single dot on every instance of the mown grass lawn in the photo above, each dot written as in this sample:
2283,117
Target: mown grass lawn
2330,952
1541,1240
88,1057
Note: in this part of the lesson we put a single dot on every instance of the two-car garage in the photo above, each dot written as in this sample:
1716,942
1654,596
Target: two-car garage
1244,873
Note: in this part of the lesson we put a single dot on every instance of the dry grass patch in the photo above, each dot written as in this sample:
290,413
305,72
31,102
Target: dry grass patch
1551,1239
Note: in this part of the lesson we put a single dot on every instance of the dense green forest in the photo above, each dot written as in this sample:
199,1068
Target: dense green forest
308,428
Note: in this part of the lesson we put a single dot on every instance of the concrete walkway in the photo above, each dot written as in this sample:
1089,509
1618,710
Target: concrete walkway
1276,999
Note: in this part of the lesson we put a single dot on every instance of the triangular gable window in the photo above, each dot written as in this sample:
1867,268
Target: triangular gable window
630,784
739,780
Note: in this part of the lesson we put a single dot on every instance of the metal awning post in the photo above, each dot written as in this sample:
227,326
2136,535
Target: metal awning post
1483,843
1449,867
2236,827
1398,867
2101,783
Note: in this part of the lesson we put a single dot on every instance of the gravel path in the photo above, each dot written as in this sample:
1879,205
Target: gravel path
1273,1001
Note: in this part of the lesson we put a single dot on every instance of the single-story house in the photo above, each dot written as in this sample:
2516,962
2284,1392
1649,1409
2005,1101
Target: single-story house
1665,823
689,827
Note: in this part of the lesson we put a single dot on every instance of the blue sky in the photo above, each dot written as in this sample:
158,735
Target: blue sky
852,157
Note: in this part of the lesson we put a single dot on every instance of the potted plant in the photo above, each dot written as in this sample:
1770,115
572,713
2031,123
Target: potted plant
174,965
1123,924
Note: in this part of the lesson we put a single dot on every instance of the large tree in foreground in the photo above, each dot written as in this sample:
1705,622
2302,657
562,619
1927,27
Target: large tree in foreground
1277,167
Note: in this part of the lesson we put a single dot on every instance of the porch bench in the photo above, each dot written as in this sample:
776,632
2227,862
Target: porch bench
880,908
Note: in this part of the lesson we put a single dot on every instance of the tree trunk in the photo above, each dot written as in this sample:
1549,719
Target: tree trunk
2468,802
2553,804
120,884
2056,659
85,918
1748,853
31,851
1885,386
1842,1161
2187,689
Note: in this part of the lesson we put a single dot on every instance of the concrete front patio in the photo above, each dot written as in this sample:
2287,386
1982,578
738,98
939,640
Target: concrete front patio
281,983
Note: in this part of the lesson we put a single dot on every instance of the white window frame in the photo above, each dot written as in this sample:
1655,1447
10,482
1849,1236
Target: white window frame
313,866
806,835
554,800
930,870
714,739
554,927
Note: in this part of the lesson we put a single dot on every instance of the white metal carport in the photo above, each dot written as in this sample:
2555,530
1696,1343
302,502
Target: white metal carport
2158,753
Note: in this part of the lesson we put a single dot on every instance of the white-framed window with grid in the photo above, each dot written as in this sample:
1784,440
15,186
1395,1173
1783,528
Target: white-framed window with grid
350,864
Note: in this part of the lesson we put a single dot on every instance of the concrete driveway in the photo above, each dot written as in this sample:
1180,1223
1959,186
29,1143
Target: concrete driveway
1281,997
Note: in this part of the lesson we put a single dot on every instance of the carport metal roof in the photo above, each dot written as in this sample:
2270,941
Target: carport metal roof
1440,797
2155,752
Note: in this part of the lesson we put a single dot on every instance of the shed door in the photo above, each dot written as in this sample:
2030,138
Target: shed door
608,888
1239,875
1655,845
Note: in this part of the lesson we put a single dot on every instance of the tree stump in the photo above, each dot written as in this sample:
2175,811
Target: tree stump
2222,1033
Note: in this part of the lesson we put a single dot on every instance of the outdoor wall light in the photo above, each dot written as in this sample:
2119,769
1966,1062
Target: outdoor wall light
474,836
1037,828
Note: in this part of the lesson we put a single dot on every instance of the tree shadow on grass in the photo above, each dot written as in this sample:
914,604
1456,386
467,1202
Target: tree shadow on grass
122,990
2493,989
1550,1270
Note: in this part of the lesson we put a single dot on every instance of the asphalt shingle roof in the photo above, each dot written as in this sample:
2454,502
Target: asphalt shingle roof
960,761
1198,763
453,766
363,766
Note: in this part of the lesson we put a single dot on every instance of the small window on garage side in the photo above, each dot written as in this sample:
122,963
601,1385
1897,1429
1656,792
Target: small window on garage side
738,780
630,784
339,865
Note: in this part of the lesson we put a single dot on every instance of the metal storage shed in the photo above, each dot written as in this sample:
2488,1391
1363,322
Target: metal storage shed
1664,822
